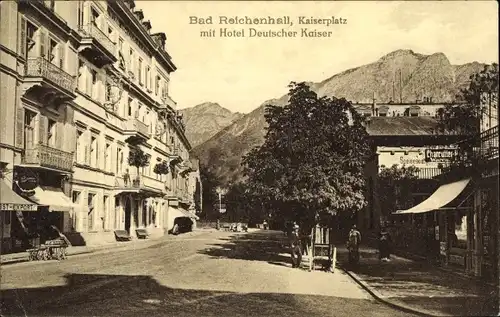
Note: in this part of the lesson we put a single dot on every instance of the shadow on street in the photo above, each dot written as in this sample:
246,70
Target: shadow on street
123,295
418,284
251,247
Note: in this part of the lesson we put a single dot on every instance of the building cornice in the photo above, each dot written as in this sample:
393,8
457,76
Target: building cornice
120,8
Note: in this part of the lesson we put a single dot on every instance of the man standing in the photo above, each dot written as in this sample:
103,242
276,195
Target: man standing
353,244
296,247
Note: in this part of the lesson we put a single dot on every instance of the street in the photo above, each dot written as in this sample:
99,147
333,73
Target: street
211,274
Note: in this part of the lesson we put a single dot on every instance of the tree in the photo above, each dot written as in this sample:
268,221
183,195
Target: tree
311,164
138,158
464,117
394,187
210,197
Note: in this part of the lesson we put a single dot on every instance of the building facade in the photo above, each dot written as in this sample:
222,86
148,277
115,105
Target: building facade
84,89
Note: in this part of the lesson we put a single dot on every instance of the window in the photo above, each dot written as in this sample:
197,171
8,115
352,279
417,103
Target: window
120,53
117,213
75,197
81,77
52,54
139,71
94,88
131,61
106,212
110,32
148,75
119,161
29,129
90,204
94,152
30,44
107,157
51,133
129,107
157,85
94,16
81,153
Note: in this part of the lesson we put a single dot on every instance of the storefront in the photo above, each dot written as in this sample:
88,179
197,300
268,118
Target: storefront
446,219
11,204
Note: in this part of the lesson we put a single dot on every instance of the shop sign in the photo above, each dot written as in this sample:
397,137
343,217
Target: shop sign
440,155
27,183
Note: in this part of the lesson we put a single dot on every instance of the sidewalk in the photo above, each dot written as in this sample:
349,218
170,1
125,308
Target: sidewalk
419,287
75,250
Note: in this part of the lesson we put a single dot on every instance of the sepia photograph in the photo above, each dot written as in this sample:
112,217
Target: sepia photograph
249,158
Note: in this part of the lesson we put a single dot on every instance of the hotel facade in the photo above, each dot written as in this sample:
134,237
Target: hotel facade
86,115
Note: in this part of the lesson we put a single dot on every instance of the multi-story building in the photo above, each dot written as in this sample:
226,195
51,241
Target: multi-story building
84,88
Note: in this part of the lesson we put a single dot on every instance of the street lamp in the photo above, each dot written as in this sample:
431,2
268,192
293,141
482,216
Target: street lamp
220,191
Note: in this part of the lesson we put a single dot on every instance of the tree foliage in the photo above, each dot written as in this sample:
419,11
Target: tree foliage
312,160
162,168
464,116
138,158
394,186
210,198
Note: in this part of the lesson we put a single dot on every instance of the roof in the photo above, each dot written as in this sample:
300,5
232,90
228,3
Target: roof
379,126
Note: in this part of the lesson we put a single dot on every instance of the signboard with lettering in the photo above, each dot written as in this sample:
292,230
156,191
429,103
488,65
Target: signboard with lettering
440,155
27,183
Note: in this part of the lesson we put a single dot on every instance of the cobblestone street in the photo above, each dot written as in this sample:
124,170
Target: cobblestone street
210,274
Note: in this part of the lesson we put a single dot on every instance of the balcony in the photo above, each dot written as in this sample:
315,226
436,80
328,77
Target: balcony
45,156
429,172
133,183
96,46
49,83
136,131
168,101
489,144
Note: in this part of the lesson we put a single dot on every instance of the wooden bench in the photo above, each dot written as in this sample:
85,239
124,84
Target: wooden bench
142,233
122,235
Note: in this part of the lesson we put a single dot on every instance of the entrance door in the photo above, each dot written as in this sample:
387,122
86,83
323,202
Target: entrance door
128,214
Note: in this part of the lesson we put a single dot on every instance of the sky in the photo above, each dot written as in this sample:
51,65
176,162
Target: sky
241,73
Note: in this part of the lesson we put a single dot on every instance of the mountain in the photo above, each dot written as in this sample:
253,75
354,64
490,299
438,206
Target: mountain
205,120
402,74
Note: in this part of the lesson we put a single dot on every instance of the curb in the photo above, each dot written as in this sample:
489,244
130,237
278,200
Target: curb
382,299
106,248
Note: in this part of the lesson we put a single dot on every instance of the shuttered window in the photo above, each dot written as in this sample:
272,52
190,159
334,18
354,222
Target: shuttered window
22,43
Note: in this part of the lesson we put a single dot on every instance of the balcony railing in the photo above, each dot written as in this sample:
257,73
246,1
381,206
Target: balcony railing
94,32
40,67
137,126
428,172
47,156
489,143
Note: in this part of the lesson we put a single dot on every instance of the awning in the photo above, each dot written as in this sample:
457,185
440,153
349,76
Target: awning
52,197
11,201
181,212
439,200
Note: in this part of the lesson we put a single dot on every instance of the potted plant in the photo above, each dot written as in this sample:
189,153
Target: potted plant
138,158
162,168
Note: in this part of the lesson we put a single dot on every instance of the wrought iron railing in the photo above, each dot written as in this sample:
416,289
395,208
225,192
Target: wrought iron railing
47,156
40,67
94,32
137,126
489,143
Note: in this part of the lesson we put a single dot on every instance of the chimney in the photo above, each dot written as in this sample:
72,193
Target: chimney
139,14
147,25
160,39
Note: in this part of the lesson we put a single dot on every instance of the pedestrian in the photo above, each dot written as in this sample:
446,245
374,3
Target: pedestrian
296,247
353,242
384,245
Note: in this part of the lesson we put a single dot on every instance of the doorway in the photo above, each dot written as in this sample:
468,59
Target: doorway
128,214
